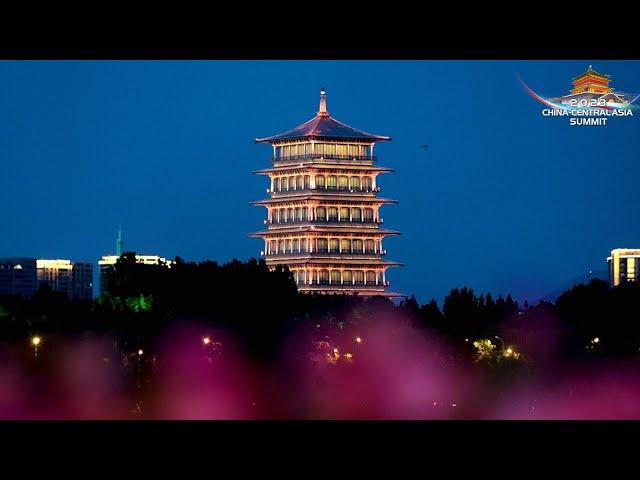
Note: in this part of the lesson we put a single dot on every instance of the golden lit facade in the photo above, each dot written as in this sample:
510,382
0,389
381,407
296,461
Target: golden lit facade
73,278
323,215
624,264
55,273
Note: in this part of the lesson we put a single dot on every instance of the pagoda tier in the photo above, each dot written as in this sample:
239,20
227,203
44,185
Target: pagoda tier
591,82
323,214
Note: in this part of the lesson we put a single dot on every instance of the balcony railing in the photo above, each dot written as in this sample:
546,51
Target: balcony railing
323,221
326,189
345,285
326,156
323,251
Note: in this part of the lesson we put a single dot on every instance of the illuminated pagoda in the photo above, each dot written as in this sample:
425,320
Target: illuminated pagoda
591,82
323,217
590,86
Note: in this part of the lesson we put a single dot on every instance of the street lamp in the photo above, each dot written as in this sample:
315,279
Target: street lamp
140,353
497,337
358,340
35,341
206,341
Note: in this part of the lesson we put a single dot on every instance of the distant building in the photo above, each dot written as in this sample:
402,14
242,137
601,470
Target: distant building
73,278
24,276
18,276
107,262
83,280
623,265
55,273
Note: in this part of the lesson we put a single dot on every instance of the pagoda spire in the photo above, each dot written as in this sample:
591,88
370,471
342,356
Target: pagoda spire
323,103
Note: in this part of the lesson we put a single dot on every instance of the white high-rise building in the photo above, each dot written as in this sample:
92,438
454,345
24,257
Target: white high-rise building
623,265
73,278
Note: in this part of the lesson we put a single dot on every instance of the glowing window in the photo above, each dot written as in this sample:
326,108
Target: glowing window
323,245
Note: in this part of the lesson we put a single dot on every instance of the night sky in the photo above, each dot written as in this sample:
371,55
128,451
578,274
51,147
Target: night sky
501,200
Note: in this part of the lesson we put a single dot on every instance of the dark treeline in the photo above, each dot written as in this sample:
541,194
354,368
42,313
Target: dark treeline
261,307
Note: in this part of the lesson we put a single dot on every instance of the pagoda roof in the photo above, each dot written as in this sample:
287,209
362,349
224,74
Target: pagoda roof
323,166
325,229
310,259
324,126
591,72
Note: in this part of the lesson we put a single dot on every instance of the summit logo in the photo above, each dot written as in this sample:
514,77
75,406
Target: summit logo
591,101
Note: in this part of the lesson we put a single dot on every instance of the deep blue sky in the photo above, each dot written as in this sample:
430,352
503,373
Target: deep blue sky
502,200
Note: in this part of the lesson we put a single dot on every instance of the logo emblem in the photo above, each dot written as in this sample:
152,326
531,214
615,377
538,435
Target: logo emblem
591,101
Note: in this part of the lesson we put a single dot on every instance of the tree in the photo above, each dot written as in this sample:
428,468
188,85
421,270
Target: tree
431,315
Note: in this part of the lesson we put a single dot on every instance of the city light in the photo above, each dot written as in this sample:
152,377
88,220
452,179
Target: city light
35,341
140,352
596,340
206,340
358,340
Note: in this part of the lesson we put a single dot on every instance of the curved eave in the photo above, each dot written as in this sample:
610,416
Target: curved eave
309,165
323,229
311,260
329,196
324,127
376,138
592,73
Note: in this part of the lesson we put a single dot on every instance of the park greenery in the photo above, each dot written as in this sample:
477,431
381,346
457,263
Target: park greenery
261,308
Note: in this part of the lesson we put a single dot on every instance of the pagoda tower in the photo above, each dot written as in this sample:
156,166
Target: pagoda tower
323,214
591,82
